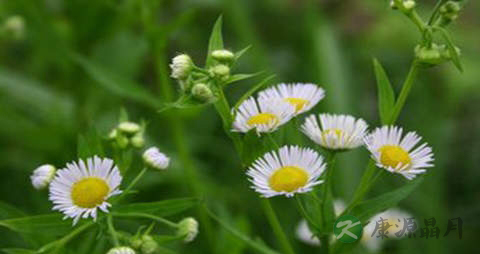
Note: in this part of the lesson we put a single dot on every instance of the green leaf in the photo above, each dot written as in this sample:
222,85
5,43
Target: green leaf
386,96
90,144
241,52
116,83
18,251
239,77
160,208
8,211
215,42
47,224
253,90
257,245
451,48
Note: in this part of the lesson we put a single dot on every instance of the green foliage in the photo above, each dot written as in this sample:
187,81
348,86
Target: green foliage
386,96
160,208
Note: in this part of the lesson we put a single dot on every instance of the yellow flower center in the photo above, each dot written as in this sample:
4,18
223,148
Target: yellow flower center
89,192
288,179
297,102
337,132
392,156
262,118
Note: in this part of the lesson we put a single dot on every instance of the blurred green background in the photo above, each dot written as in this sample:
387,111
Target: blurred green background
47,98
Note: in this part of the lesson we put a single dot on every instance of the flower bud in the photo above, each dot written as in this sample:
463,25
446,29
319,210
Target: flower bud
155,159
121,250
15,25
449,11
149,245
223,55
188,228
42,176
129,127
220,71
113,134
409,5
432,55
122,141
202,92
181,66
137,141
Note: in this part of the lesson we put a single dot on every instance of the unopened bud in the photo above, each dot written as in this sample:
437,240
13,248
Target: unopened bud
137,140
188,228
42,176
223,55
220,71
409,5
181,66
122,141
436,54
129,127
15,25
149,245
449,11
202,92
121,250
155,159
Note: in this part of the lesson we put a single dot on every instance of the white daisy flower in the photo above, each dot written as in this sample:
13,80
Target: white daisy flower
397,154
289,171
303,232
80,188
42,176
121,250
393,217
264,115
155,159
336,132
302,96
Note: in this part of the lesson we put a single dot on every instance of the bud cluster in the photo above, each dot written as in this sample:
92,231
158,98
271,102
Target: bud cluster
433,55
127,134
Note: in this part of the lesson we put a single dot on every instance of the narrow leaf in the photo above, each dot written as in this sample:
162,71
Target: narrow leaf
18,251
239,77
216,41
241,52
47,224
451,48
253,90
386,96
160,208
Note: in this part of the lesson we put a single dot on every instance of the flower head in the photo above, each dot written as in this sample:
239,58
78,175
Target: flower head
188,228
129,127
396,154
288,171
181,66
202,92
155,159
42,176
302,96
262,115
223,55
336,132
121,250
81,188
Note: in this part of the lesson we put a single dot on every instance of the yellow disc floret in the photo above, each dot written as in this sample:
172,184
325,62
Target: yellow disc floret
297,102
392,156
262,118
288,179
89,192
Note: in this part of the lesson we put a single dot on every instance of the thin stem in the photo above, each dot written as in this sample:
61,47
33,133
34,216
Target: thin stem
131,185
148,216
272,140
407,86
277,228
435,12
112,231
64,240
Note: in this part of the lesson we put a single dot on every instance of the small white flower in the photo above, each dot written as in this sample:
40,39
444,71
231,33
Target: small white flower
264,115
80,188
121,250
181,66
42,176
394,217
397,154
129,127
289,171
302,96
155,159
335,131
188,228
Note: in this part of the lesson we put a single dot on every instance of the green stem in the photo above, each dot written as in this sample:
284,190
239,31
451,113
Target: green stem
112,231
148,216
277,228
131,185
407,86
64,240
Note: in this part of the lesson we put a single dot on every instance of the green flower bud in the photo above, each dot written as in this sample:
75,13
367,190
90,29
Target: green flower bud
432,55
409,5
129,127
122,141
181,66
113,134
137,140
220,71
121,250
15,26
188,228
202,92
149,245
223,55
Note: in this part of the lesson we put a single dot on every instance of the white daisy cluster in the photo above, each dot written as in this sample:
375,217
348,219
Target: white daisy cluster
275,106
82,188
